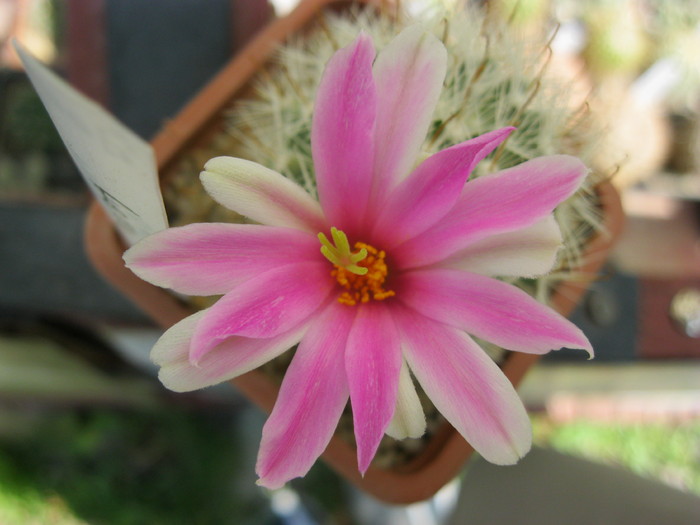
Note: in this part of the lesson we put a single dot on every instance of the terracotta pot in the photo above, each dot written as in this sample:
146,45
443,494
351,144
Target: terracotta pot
444,457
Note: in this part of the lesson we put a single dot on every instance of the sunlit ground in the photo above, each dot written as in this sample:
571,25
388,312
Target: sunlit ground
667,452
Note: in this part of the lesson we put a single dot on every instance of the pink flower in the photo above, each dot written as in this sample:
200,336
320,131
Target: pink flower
407,274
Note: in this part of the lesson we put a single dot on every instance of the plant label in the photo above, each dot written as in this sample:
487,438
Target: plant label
117,165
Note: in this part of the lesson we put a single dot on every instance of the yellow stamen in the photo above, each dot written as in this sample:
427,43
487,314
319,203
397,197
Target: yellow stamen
361,273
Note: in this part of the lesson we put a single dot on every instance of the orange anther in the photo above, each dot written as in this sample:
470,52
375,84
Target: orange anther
370,286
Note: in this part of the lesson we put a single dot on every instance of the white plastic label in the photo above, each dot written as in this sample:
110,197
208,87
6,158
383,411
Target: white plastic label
118,166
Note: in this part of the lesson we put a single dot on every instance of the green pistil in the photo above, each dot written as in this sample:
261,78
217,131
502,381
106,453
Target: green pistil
338,252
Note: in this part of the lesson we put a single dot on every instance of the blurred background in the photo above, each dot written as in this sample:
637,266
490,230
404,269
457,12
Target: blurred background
88,435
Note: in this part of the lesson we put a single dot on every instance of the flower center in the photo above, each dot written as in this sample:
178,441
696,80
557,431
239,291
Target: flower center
362,273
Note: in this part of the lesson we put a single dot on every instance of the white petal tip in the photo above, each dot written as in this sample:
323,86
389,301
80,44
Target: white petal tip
156,359
218,164
209,179
399,435
363,467
266,484
512,458
173,387
226,167
262,483
587,347
411,431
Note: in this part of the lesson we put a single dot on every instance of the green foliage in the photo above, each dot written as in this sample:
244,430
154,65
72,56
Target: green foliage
26,126
21,503
115,467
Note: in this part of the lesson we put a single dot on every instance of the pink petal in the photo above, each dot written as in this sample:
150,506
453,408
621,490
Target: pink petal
409,418
231,358
261,194
372,363
432,189
489,309
409,73
312,398
529,252
210,259
342,135
466,387
505,201
268,305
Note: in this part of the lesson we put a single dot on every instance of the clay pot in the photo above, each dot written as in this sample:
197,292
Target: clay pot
446,454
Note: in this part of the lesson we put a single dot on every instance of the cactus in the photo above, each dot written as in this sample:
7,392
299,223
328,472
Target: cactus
493,80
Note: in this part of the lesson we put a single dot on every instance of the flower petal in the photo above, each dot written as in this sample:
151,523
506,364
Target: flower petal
432,189
489,309
312,398
261,194
529,252
342,135
409,418
505,201
409,73
372,364
268,305
210,259
467,387
231,358
174,344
